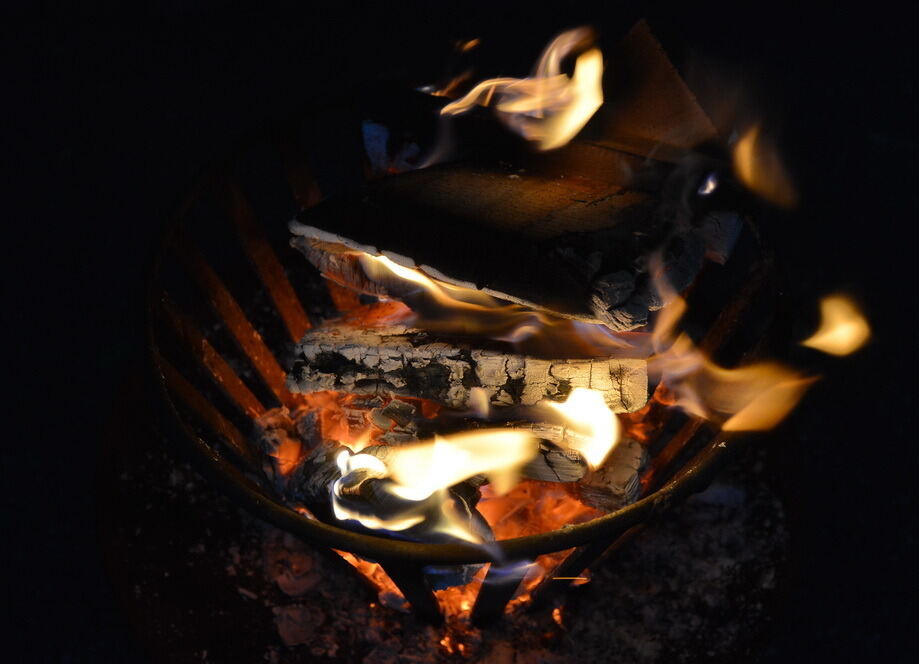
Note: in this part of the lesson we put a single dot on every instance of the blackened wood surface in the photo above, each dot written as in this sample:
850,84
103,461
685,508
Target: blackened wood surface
528,237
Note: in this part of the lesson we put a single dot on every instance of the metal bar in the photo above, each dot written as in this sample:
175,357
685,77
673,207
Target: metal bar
670,451
232,314
192,398
269,268
575,564
411,580
205,353
498,588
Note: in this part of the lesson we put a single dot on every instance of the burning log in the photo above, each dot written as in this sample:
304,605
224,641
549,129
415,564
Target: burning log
406,362
576,249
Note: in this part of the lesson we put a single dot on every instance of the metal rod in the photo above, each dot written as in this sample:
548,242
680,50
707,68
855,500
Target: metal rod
411,580
575,564
498,588
269,268
208,356
225,305
192,398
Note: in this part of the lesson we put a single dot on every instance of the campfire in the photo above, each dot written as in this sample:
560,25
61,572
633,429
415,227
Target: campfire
518,364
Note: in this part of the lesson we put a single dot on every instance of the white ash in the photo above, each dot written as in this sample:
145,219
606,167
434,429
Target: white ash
401,361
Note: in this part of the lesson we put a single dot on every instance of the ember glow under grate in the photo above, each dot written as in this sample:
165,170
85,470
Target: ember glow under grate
470,451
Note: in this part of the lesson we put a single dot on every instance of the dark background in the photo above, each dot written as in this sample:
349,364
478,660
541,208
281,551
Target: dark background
111,116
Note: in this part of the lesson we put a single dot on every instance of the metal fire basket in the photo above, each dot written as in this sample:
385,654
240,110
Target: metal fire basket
215,251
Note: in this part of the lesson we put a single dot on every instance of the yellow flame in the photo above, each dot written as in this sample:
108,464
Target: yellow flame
424,471
758,166
843,329
463,311
586,411
550,107
420,470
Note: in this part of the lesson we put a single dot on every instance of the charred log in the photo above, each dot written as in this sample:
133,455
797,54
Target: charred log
401,361
575,248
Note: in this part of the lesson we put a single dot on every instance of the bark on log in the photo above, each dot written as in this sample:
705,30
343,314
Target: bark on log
402,361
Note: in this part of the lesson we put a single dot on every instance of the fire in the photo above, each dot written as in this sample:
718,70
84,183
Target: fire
425,470
460,310
586,410
755,397
758,166
421,469
550,107
843,329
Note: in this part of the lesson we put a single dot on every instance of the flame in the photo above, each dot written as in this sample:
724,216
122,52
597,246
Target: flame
549,107
586,411
758,166
755,397
843,329
468,45
423,471
460,310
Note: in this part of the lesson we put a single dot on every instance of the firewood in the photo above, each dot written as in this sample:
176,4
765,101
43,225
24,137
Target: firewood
617,482
402,361
548,243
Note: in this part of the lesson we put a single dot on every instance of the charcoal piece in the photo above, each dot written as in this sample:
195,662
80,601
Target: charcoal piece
682,259
617,482
721,230
555,464
402,361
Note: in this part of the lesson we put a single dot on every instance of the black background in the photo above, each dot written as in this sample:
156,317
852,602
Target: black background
111,116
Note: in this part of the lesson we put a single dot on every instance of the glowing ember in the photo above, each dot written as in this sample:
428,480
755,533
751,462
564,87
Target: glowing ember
389,593
843,329
550,107
557,615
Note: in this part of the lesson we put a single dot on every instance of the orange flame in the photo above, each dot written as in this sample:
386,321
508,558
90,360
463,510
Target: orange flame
463,310
843,329
749,398
550,107
758,166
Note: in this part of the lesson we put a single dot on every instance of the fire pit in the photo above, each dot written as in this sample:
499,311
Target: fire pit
223,375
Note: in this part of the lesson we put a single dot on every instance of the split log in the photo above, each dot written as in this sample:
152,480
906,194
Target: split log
501,233
402,361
